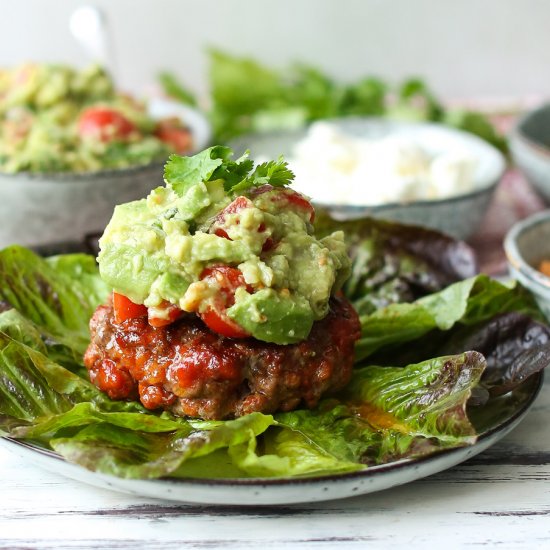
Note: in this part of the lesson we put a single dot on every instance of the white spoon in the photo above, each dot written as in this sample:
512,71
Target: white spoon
88,25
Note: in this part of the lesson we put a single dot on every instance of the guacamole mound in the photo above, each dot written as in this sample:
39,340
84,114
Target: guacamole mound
40,109
227,237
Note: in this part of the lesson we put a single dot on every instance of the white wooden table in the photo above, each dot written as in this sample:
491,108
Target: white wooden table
501,497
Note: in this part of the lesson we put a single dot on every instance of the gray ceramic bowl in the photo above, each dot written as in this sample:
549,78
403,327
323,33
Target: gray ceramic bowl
458,216
530,147
526,244
42,208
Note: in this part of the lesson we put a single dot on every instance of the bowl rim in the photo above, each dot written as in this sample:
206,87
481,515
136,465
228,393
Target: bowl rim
518,132
63,177
486,188
514,256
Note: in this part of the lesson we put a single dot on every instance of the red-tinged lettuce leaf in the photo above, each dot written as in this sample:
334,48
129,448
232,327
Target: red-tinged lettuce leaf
467,302
393,263
514,345
391,413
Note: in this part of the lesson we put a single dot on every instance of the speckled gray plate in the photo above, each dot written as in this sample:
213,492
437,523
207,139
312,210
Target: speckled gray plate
493,422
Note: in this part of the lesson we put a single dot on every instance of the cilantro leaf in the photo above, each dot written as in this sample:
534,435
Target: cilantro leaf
274,172
234,172
181,173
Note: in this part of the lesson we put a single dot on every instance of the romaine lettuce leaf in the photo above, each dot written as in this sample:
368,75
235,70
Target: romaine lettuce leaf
58,295
125,450
390,413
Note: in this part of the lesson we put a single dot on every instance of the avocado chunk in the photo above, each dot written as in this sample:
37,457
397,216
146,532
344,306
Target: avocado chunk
273,316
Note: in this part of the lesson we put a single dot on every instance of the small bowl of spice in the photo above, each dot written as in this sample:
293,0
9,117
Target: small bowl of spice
527,248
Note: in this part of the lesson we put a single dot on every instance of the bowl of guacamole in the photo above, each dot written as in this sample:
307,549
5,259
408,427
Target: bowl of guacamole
72,147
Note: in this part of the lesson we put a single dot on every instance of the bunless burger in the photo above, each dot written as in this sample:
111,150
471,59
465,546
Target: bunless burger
224,302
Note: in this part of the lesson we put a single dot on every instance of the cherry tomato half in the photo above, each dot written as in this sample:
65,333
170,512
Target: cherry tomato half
174,134
228,279
125,309
171,314
104,124
221,324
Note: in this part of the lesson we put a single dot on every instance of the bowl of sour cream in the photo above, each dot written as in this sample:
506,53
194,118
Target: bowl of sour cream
419,173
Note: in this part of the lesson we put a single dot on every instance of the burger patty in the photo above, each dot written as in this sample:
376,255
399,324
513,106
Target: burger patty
189,370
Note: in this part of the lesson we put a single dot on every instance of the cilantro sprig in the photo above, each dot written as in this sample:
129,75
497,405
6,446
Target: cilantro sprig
215,163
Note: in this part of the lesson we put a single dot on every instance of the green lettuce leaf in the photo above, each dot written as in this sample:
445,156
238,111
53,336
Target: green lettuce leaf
467,302
390,413
58,295
122,450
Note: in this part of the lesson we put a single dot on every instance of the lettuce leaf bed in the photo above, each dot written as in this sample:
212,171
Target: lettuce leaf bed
418,372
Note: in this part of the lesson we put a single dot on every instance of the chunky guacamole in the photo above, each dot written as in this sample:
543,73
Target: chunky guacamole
229,241
54,118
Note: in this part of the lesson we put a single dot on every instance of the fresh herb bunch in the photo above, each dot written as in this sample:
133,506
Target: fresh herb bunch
250,97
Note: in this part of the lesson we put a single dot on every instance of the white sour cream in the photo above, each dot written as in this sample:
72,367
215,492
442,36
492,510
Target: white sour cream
332,167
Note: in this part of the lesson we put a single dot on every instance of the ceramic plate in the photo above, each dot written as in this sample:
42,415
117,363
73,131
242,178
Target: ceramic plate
493,421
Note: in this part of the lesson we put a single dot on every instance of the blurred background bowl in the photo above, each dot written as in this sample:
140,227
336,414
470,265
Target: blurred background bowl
40,208
526,245
458,215
530,147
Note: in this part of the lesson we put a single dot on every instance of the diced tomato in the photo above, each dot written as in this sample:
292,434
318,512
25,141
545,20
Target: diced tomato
104,124
239,204
228,279
222,233
171,314
174,134
125,309
220,323
300,202
290,196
